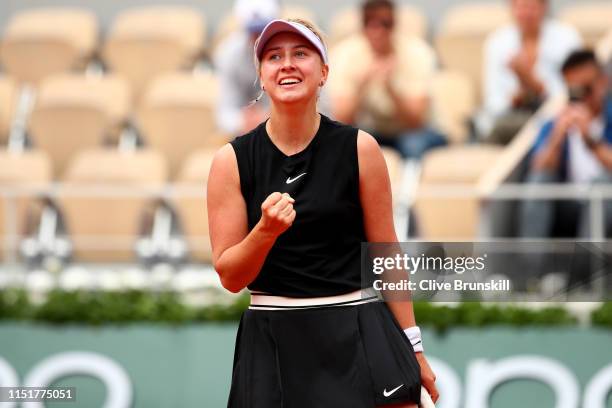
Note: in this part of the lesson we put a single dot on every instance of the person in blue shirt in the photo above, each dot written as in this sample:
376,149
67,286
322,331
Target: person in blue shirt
574,147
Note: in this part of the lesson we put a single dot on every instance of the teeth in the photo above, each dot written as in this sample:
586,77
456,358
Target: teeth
289,81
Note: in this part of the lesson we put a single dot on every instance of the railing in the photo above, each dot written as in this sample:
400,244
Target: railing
595,194
9,196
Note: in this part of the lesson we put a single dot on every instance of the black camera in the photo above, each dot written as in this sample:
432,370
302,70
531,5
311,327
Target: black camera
579,93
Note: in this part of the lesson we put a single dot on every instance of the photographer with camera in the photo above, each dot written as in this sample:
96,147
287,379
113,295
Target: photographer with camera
574,147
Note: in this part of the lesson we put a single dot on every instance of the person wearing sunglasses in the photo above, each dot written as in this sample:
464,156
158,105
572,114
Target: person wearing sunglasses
380,82
574,147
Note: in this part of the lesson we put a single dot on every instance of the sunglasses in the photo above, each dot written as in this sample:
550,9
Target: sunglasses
387,24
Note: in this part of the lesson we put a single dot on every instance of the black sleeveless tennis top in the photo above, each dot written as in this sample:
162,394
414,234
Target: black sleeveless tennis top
319,255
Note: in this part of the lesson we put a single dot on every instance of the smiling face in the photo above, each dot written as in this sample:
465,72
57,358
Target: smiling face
291,69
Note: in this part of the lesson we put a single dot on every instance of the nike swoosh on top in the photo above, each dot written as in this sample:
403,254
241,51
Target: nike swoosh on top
291,180
389,393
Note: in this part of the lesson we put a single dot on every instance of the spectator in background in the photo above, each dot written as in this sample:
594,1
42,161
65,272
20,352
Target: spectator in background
575,147
522,67
604,52
379,82
234,64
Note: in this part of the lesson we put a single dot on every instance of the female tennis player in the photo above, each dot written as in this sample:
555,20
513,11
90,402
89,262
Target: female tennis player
289,204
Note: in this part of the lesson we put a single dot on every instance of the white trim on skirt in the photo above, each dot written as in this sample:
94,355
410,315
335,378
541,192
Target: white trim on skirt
263,301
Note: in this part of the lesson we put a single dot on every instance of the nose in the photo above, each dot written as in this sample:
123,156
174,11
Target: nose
287,63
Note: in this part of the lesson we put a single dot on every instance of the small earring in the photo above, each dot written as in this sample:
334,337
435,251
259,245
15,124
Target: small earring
263,89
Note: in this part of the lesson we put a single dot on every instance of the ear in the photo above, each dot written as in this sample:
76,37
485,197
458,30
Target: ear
324,74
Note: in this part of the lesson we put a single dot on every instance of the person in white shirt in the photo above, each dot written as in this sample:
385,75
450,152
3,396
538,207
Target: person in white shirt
233,62
522,67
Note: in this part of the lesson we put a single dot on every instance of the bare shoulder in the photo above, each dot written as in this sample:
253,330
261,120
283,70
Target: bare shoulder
366,142
225,154
370,156
224,164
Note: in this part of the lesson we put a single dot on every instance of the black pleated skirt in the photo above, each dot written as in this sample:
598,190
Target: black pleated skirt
326,357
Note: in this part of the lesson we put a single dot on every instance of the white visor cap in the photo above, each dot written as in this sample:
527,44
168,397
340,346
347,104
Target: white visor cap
283,26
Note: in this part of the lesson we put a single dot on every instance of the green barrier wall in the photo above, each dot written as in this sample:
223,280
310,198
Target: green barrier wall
190,366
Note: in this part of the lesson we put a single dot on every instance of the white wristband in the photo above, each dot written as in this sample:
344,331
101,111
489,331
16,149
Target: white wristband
414,335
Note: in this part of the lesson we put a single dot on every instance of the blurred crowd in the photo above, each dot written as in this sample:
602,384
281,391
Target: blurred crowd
70,109
380,80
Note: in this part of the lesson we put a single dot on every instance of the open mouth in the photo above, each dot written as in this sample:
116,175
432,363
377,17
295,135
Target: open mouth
288,82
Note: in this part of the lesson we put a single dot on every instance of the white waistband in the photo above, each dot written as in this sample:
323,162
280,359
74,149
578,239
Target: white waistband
270,302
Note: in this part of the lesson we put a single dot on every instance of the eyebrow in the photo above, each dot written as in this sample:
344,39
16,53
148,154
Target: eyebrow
297,46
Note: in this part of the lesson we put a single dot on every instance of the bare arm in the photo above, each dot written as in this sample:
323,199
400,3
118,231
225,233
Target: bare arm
376,201
412,111
603,152
238,254
548,157
375,196
346,105
345,108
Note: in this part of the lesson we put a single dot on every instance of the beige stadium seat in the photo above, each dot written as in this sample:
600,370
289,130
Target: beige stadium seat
74,112
604,48
146,41
20,170
592,19
176,116
411,21
45,41
8,101
191,209
443,217
453,103
462,34
229,23
103,197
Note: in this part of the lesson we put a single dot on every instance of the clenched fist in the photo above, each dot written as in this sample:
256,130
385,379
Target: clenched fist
277,213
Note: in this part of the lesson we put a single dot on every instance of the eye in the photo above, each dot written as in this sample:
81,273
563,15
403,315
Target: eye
300,53
274,57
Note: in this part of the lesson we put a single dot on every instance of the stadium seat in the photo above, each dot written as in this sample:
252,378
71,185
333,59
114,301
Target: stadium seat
146,41
604,48
461,36
412,21
176,116
75,111
191,209
45,41
22,170
592,19
453,103
8,100
103,197
444,217
229,23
